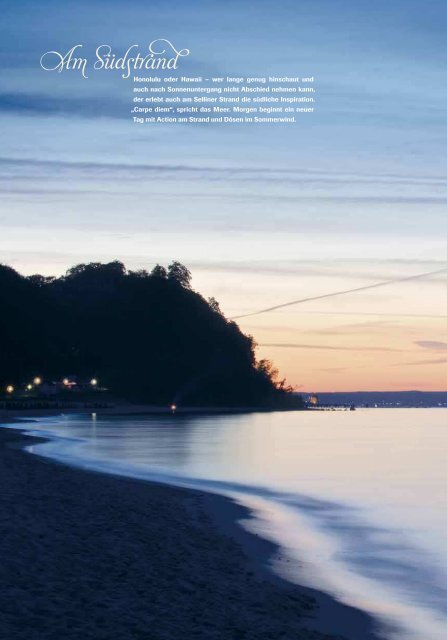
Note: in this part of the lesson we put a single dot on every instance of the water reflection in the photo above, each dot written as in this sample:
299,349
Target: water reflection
363,493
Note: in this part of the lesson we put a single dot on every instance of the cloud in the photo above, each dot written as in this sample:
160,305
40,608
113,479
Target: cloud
93,107
294,345
434,345
34,104
416,363
372,314
353,329
347,269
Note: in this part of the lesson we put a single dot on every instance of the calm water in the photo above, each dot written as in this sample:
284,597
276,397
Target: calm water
357,498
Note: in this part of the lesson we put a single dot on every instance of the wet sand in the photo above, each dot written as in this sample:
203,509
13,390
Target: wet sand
89,556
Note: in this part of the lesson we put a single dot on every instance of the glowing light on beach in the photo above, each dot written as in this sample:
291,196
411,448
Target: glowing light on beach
66,382
9,389
37,380
173,407
29,387
93,382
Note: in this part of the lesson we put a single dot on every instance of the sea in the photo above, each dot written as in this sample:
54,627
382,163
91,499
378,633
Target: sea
356,500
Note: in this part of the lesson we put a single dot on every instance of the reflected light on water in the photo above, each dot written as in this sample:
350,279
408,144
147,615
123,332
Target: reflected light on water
356,500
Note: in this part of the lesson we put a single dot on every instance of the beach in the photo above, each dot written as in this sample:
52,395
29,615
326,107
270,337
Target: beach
94,556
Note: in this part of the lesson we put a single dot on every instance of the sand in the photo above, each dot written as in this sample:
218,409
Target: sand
90,556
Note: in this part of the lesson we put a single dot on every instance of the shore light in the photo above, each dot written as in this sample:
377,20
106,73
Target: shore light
37,380
9,389
66,382
173,408
29,387
93,382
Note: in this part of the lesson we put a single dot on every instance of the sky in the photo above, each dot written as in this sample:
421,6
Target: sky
352,195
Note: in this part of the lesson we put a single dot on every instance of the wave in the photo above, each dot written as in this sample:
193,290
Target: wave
374,567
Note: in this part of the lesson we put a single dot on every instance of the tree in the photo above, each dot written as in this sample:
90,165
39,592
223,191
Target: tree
214,305
41,281
148,337
180,274
111,269
159,272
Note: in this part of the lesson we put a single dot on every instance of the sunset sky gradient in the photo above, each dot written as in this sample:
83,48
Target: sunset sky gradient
353,195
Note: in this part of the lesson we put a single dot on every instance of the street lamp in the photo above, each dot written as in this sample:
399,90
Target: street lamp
93,382
37,380
29,387
9,389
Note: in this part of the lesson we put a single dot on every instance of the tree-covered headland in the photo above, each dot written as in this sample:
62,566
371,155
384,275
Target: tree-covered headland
148,337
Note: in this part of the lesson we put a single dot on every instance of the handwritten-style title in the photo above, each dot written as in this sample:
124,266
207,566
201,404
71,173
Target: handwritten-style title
161,54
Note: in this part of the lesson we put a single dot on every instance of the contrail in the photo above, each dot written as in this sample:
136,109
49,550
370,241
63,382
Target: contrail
418,276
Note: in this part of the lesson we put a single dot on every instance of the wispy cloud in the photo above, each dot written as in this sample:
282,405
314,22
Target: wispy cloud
416,363
346,269
434,345
241,173
353,329
372,314
32,104
296,345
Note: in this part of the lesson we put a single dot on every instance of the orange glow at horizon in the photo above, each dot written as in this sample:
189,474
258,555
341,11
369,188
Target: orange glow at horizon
394,338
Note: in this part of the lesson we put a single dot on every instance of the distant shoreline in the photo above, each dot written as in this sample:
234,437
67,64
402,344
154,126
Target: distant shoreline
7,414
89,530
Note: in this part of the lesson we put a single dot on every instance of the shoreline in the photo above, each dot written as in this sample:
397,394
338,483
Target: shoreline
43,409
197,543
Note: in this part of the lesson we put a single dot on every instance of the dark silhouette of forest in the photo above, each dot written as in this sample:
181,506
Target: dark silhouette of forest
148,337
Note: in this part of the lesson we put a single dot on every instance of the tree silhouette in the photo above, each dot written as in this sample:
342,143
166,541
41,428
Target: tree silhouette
148,337
180,274
214,305
159,272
